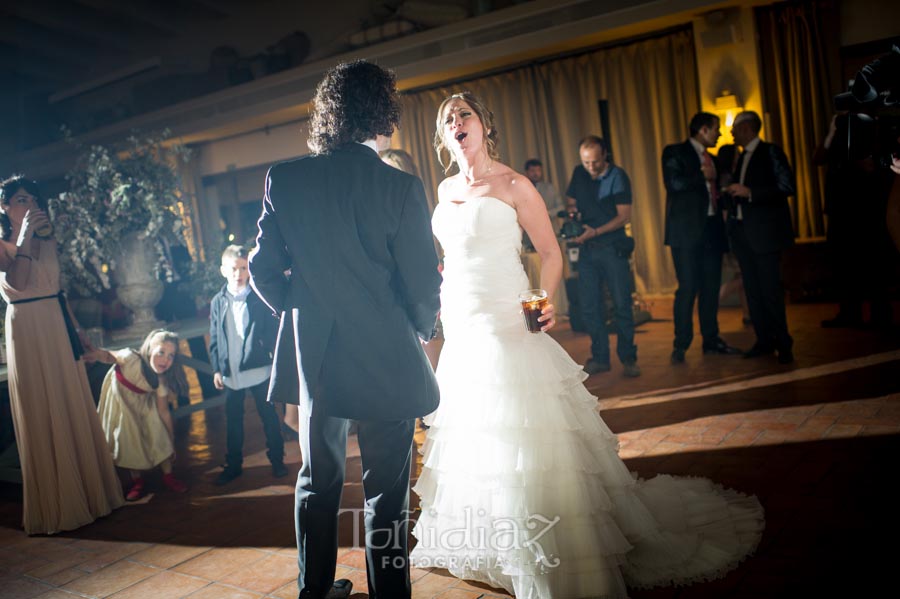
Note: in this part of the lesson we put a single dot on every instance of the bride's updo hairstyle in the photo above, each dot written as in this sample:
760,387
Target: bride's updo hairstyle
487,122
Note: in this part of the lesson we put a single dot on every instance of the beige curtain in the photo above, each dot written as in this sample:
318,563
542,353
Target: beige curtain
799,45
542,111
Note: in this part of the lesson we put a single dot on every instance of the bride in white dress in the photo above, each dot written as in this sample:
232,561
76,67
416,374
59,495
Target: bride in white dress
522,487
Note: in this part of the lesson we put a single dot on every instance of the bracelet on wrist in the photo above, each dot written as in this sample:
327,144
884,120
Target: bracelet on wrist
26,256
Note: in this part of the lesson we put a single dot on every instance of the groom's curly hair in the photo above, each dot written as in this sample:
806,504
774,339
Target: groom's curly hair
354,102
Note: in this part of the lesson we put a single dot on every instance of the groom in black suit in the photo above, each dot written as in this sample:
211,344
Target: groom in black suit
695,231
345,255
760,229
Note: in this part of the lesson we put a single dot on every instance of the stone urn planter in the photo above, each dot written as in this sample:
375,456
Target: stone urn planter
137,286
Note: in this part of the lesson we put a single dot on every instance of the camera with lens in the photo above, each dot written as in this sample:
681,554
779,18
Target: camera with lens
570,229
873,104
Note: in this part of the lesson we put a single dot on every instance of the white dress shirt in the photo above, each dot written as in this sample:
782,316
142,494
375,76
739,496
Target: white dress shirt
748,153
702,153
237,320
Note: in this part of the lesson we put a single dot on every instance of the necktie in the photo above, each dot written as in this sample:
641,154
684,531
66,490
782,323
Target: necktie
711,181
740,171
742,166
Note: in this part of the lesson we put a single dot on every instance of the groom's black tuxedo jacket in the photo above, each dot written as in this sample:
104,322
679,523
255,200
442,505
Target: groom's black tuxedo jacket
687,200
355,235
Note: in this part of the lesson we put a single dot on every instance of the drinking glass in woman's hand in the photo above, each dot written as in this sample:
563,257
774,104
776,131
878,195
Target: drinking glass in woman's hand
534,302
36,223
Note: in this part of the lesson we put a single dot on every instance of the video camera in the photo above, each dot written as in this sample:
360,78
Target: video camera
571,226
570,229
873,102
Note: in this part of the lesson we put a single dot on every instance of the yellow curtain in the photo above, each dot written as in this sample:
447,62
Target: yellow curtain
542,110
799,47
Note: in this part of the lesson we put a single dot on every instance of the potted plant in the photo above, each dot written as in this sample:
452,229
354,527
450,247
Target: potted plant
120,212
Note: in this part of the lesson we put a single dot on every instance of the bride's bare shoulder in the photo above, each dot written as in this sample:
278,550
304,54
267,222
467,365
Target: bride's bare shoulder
511,181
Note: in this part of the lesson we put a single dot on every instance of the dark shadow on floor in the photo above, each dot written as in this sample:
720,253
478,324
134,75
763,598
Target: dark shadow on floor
863,383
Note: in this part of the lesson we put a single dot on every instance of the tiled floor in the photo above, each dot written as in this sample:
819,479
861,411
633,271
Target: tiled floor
816,441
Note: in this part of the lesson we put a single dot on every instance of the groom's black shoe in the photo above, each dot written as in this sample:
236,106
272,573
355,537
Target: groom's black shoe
718,346
339,590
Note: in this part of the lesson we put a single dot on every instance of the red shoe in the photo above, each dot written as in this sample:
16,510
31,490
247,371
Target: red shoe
136,491
173,483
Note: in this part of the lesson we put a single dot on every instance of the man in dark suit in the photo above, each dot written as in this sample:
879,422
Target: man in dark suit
760,229
695,231
362,290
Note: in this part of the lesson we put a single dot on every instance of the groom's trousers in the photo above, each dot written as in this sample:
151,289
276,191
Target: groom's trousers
386,454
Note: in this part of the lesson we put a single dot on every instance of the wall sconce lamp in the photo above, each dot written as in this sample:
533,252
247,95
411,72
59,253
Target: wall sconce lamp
727,106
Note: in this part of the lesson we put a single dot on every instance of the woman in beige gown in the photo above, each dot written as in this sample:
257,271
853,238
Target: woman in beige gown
67,470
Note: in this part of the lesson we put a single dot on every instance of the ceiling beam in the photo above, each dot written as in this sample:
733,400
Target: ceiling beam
30,38
68,18
34,66
137,14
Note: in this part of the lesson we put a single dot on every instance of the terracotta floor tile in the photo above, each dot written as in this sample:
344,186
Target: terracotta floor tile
106,553
477,587
417,573
715,434
741,437
665,448
880,429
14,586
219,563
165,585
111,579
62,577
432,584
169,554
272,538
842,431
797,415
74,558
863,420
290,591
690,436
221,591
58,594
355,558
17,562
458,594
850,409
817,424
264,576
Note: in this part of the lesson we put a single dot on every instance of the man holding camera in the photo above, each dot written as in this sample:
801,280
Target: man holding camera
760,229
695,232
601,193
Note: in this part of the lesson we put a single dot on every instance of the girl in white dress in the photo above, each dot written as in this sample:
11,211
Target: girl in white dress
134,408
522,487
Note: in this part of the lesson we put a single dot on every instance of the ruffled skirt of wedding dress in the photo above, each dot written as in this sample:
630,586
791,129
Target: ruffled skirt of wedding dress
522,486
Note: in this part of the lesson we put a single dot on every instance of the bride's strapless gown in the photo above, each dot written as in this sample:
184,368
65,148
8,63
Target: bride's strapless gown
522,486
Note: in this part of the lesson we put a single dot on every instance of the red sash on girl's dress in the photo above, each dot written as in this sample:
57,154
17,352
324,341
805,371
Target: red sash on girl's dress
126,383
